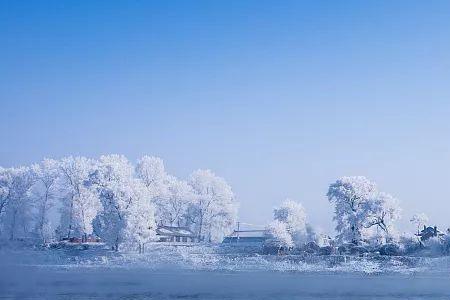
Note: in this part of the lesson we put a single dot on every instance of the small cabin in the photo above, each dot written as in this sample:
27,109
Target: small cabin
175,234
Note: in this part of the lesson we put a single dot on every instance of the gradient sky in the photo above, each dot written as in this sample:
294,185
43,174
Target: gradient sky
280,98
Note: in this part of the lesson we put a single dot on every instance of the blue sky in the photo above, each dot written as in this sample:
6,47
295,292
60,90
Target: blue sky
278,97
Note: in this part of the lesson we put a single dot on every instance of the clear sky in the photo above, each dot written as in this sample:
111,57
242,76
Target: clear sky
280,98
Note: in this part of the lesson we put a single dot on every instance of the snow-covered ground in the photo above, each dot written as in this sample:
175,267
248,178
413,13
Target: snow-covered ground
212,272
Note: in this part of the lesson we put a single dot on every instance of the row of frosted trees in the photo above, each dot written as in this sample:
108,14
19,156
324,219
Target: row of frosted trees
111,198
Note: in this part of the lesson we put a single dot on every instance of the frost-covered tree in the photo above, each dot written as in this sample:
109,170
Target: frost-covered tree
174,204
420,220
294,216
360,210
6,181
127,215
151,171
278,235
382,210
17,210
213,210
350,195
45,194
79,204
140,221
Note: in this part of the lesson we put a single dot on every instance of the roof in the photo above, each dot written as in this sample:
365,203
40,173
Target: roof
248,233
174,231
430,230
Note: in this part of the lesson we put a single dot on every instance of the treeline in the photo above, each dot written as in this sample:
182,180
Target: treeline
111,198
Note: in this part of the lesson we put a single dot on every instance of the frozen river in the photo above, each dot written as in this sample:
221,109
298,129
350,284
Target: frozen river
28,282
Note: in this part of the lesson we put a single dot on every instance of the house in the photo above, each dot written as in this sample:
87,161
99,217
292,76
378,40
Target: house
429,232
175,234
246,236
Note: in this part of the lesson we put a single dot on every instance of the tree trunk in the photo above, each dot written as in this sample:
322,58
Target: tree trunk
43,216
117,245
201,226
13,226
70,218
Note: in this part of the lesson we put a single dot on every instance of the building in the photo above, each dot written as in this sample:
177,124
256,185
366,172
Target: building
175,234
429,232
246,236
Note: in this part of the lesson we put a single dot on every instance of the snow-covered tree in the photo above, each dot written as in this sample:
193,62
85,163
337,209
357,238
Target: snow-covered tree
45,192
361,211
420,220
151,171
278,235
80,205
18,206
6,181
349,195
294,216
173,205
213,210
140,221
382,210
127,215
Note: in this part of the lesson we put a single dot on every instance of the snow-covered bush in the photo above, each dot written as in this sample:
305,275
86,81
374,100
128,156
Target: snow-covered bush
278,237
391,249
293,215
